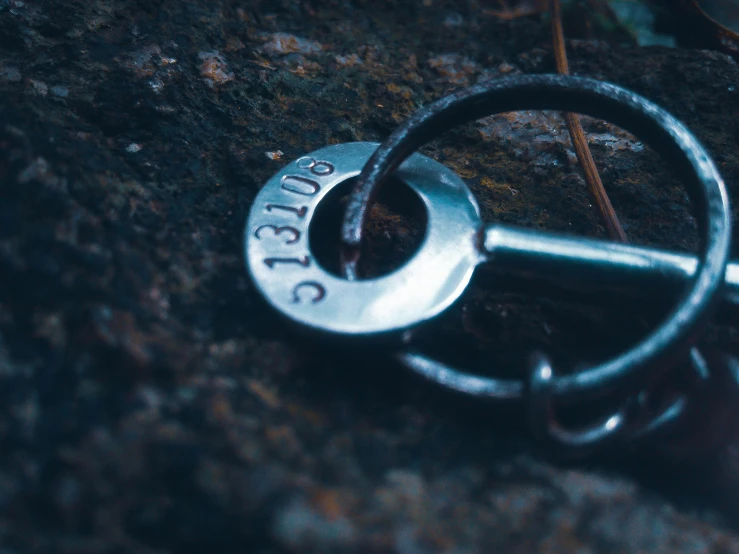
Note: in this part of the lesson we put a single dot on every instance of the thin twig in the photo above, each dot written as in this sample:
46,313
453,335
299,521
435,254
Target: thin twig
592,178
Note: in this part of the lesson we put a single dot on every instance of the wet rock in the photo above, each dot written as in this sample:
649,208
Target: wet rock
150,401
284,43
348,61
61,92
542,137
39,87
214,68
10,74
298,526
454,68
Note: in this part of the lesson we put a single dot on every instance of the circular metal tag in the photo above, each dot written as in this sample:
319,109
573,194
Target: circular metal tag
283,268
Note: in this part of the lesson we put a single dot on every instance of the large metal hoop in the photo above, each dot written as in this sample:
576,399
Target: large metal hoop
663,347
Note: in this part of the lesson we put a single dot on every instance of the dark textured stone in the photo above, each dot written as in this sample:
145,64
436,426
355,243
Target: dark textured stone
151,402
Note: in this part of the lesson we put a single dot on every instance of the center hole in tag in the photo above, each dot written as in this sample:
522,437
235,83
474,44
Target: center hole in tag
395,230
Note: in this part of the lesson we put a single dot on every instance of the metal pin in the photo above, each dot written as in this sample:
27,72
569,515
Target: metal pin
549,261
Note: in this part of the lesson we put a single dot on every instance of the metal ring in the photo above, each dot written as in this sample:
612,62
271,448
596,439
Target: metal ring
667,344
283,266
698,422
548,431
663,423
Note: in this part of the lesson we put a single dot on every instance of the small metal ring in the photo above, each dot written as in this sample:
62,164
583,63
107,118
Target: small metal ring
432,370
547,431
664,422
696,423
667,344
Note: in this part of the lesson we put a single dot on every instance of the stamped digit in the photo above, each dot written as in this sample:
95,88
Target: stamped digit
271,262
300,212
322,168
306,162
278,231
319,291
300,185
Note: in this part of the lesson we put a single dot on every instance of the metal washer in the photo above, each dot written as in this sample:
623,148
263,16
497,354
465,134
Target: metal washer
283,268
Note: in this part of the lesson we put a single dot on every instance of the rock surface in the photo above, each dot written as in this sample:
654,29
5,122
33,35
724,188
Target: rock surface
150,401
